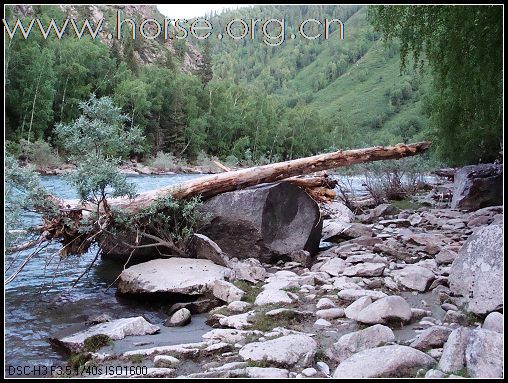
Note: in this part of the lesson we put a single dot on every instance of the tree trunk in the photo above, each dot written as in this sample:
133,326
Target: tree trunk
209,186
33,106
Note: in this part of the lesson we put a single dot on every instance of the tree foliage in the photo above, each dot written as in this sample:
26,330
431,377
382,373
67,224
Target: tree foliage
463,45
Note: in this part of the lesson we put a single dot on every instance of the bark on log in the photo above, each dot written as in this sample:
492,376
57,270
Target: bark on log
209,186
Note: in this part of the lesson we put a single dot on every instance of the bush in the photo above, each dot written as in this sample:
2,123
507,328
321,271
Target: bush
396,179
206,162
166,162
231,160
40,153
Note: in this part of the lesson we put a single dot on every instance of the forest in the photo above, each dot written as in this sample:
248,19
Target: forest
244,101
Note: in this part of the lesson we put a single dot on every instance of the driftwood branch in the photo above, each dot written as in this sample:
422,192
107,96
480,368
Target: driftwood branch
209,186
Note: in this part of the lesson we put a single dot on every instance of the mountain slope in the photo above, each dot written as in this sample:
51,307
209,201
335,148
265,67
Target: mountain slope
354,83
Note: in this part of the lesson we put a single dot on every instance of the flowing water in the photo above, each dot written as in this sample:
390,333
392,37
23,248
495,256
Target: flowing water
40,302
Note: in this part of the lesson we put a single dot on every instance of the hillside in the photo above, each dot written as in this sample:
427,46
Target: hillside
355,83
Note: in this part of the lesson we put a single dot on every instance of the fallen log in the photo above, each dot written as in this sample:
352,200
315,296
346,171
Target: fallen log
209,186
66,225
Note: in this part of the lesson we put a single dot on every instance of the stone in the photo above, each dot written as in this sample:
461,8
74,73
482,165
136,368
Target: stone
165,361
115,330
434,374
478,186
365,270
334,266
325,303
332,313
353,294
454,351
323,367
180,318
382,210
384,310
238,321
272,296
354,308
333,228
347,345
477,273
356,230
414,277
230,335
203,247
384,362
338,211
239,306
436,353
198,306
249,269
309,372
395,222
432,337
449,306
173,276
288,312
289,350
446,256
366,257
494,322
322,323
454,316
266,372
226,291
265,222
484,354
183,351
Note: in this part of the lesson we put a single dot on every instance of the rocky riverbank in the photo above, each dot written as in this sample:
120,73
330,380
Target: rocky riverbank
411,293
135,168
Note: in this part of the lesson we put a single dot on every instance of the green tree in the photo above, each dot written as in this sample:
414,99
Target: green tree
205,66
95,139
463,46
100,131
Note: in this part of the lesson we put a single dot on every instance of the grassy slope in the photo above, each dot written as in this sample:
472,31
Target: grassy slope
358,102
361,95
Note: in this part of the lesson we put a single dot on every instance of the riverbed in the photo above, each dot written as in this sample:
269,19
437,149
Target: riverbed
41,303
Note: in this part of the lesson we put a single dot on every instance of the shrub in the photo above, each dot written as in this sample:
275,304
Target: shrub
231,160
395,179
39,152
166,162
95,342
206,162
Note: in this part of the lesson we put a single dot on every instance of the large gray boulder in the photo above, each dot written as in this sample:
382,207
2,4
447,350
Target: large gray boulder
479,350
478,186
484,354
384,310
347,345
267,222
172,276
115,330
414,277
477,273
454,357
384,362
432,337
289,350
